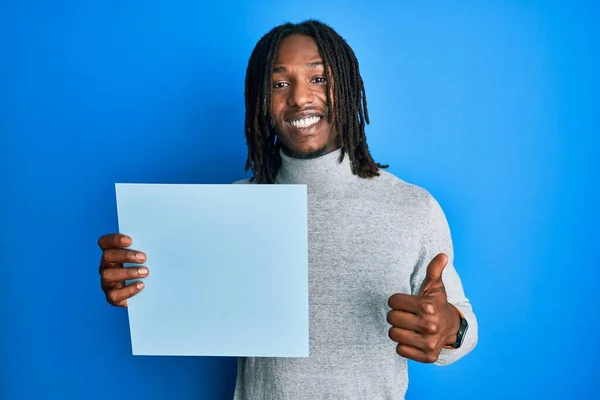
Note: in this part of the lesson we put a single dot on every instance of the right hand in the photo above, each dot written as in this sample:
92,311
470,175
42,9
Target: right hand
113,275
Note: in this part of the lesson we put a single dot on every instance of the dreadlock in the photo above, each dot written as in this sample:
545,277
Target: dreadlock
349,108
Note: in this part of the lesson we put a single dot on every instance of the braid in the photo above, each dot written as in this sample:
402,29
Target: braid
349,109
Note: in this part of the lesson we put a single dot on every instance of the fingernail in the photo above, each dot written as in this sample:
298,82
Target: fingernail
142,271
140,256
139,285
124,240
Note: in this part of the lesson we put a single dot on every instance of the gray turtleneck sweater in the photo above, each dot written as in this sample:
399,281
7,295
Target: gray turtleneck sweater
367,239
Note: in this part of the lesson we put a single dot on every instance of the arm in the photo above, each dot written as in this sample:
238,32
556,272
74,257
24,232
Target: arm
437,239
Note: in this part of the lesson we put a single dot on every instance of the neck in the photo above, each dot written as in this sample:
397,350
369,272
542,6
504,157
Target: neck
307,156
320,171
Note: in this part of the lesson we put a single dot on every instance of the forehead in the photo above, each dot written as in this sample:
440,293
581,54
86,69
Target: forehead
297,49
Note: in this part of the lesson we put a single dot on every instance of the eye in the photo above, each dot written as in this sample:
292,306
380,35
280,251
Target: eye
320,80
280,85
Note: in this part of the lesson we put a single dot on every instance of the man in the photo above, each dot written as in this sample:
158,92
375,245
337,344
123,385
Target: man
383,288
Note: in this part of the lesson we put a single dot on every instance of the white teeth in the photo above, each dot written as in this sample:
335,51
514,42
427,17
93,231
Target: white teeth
305,122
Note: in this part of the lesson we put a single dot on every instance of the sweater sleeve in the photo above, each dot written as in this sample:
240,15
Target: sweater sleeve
437,239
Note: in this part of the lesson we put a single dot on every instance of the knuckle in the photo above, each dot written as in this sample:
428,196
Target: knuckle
114,255
430,346
131,256
128,254
105,256
428,307
111,297
425,306
430,358
431,327
105,274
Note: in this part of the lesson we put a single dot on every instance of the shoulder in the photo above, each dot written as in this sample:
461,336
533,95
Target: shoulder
416,202
407,193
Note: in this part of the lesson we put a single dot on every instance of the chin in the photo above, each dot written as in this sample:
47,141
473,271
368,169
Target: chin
305,151
310,142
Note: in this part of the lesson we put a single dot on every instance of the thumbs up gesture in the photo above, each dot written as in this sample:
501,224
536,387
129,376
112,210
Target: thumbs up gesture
422,325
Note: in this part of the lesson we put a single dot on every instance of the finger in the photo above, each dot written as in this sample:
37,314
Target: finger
108,286
122,256
108,265
405,302
118,297
409,338
114,240
412,322
110,275
435,269
403,319
422,306
416,354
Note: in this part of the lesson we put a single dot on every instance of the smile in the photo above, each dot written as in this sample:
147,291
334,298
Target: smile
305,122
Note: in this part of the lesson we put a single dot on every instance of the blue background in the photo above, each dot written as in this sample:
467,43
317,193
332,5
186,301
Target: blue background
493,107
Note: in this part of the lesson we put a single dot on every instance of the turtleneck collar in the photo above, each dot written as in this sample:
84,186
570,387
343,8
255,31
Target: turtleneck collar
319,172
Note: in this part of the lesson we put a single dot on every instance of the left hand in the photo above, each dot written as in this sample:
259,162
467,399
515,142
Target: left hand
422,325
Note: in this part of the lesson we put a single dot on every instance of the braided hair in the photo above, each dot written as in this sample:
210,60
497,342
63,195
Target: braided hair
349,108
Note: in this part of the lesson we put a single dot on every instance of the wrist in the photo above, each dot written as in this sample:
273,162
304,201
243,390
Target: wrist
455,324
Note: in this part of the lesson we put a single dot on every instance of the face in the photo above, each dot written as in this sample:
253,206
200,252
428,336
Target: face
299,98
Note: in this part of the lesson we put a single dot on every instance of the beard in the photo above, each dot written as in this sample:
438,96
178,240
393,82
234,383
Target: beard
305,155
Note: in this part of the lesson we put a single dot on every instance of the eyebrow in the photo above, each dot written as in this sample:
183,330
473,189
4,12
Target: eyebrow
311,65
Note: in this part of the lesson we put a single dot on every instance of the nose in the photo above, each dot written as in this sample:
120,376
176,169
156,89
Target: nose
300,95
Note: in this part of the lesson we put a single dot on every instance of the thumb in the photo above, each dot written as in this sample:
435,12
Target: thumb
433,279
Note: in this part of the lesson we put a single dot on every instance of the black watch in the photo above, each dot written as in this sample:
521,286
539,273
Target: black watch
462,332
